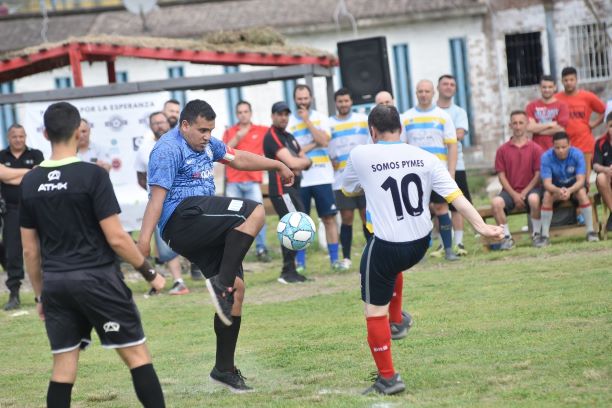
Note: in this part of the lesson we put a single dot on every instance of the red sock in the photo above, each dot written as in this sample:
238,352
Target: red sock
379,339
395,307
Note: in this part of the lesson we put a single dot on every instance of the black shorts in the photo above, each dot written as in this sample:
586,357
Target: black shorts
437,198
509,202
461,180
76,301
382,261
290,201
198,226
324,199
349,203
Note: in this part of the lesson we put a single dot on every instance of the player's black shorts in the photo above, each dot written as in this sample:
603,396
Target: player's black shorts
461,180
436,198
289,201
349,203
382,261
76,301
198,226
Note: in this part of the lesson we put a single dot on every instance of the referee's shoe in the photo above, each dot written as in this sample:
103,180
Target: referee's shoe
233,380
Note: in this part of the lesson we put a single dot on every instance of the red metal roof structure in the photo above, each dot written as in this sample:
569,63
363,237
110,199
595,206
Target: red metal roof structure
18,64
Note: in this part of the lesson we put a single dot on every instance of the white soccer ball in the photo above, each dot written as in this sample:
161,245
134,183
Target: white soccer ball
296,231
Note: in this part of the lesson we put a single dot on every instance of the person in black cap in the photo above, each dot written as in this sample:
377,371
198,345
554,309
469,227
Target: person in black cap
281,145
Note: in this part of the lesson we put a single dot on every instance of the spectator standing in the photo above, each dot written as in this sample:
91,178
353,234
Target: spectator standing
281,145
429,127
447,87
91,152
384,98
563,173
348,130
311,130
247,184
517,163
602,164
547,115
16,156
159,126
581,105
172,110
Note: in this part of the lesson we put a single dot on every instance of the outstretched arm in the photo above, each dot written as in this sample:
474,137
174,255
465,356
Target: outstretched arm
466,209
244,160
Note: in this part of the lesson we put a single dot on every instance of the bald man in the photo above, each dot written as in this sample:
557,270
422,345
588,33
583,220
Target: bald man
384,98
432,129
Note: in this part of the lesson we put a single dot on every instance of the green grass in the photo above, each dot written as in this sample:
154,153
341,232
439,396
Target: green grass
521,328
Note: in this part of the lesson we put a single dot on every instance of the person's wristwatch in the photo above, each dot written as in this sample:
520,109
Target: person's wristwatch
37,299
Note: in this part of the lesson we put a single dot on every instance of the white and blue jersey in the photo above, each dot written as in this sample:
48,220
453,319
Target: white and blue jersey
460,120
562,172
321,171
431,130
184,172
346,134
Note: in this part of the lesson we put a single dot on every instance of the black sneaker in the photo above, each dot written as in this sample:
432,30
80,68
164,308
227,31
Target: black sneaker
287,278
196,273
222,298
400,330
263,256
393,385
13,302
233,380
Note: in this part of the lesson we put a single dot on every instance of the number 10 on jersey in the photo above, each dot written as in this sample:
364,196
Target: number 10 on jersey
392,184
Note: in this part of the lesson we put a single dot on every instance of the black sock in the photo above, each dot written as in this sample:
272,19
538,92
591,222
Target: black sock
366,233
346,238
147,386
237,245
58,395
227,337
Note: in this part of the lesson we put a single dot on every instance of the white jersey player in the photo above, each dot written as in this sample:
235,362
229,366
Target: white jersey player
397,180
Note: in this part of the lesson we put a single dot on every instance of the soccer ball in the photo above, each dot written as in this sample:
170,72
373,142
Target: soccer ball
296,231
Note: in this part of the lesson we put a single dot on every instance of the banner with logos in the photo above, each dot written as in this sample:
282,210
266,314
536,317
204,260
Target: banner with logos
118,126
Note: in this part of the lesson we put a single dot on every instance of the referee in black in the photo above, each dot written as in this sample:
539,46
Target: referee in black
69,229
16,156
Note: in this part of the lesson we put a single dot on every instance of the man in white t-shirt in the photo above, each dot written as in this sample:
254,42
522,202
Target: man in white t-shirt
89,151
159,125
430,128
398,180
311,130
447,87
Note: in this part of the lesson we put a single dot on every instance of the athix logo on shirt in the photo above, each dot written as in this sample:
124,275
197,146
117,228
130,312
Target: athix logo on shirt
111,327
53,176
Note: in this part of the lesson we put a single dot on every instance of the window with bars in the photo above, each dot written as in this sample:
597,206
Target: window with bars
590,51
524,59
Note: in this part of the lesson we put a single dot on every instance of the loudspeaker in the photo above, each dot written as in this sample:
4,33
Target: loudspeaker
364,68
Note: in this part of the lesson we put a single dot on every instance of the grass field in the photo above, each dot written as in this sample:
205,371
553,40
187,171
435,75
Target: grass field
519,328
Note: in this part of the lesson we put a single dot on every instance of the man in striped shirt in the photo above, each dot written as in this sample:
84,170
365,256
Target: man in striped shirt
431,128
348,130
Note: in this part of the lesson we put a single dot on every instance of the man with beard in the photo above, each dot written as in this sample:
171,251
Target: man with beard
547,115
311,130
172,110
348,130
159,126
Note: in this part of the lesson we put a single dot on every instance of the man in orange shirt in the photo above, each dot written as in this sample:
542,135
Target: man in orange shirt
246,184
581,105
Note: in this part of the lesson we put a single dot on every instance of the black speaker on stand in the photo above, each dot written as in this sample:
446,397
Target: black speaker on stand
364,68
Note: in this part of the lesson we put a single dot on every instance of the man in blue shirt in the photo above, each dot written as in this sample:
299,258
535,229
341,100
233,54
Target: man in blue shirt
213,232
563,173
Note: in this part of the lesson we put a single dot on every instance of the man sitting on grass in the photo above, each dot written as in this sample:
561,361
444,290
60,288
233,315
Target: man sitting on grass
563,174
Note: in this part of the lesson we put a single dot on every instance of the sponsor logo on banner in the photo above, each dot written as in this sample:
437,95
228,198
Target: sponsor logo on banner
116,123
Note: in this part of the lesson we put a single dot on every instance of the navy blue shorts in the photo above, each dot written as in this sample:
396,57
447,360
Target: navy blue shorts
382,261
324,199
